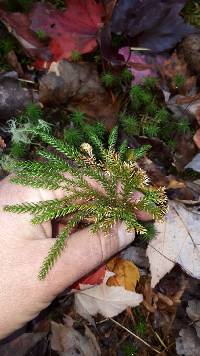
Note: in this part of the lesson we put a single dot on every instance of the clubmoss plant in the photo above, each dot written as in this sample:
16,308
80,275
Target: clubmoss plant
119,180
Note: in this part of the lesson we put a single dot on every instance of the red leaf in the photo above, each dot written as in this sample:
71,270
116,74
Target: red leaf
95,277
74,29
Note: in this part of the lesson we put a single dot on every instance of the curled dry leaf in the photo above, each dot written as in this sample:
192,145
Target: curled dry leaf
126,273
177,241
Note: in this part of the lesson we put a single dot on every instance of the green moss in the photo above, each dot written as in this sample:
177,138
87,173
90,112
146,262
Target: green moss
41,34
179,81
183,126
191,12
150,82
145,114
139,97
75,56
141,327
130,125
150,233
126,75
108,79
129,349
73,136
18,149
78,118
152,130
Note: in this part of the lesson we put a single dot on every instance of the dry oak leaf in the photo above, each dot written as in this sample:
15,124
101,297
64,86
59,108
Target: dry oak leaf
74,29
126,273
177,241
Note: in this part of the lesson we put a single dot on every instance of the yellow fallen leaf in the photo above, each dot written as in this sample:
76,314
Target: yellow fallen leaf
126,273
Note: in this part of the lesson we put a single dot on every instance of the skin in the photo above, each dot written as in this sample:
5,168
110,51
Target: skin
23,246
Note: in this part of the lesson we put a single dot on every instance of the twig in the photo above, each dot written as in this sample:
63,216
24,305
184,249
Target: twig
159,338
140,49
136,336
26,81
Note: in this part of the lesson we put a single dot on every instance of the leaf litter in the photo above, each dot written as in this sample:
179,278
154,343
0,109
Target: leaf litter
72,51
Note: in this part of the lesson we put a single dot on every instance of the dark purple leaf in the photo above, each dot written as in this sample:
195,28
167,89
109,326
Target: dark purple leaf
154,24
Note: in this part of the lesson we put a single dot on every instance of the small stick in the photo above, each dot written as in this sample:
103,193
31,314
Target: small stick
136,336
140,49
159,338
26,81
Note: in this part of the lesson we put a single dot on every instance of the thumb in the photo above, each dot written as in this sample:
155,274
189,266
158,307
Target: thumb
84,252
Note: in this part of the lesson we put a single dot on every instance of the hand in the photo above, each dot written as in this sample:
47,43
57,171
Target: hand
23,247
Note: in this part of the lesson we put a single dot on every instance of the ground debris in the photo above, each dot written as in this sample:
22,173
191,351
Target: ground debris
78,86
